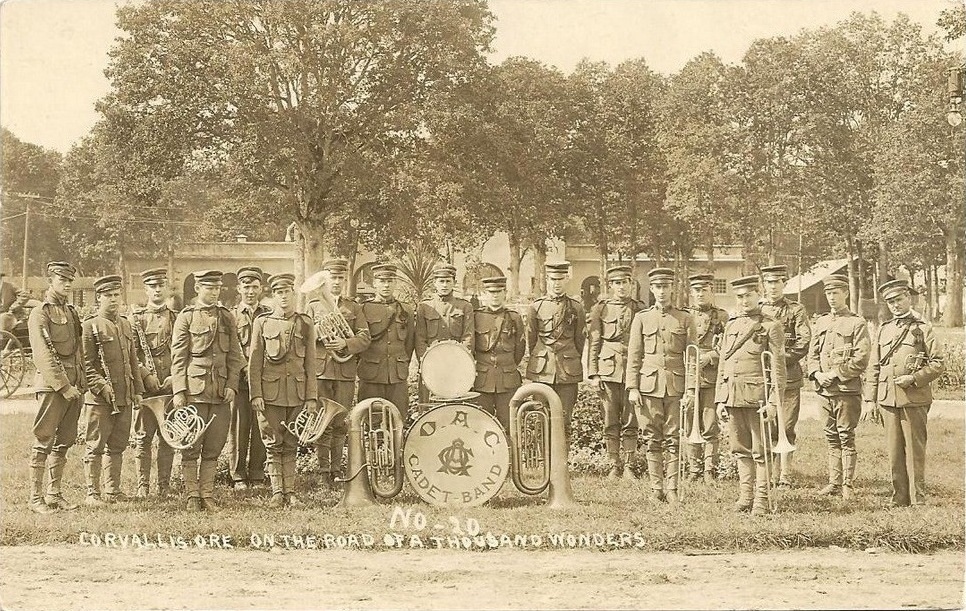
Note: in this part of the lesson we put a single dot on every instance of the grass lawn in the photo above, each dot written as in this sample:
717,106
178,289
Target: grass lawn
705,520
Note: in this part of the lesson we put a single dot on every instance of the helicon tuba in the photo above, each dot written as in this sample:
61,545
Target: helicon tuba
538,440
180,427
330,324
375,466
308,427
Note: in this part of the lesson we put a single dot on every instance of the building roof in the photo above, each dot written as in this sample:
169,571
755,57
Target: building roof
814,275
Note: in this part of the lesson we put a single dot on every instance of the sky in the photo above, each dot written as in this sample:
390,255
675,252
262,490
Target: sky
53,52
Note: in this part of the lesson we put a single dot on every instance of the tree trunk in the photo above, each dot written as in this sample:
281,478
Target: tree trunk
926,307
309,249
513,282
953,314
934,292
539,261
122,262
860,272
881,267
853,291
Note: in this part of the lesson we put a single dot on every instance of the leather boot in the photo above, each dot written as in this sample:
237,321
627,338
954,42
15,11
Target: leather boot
746,483
36,501
834,486
710,462
112,484
206,484
273,470
695,456
165,460
189,470
143,457
628,472
785,473
288,479
92,472
615,465
848,474
55,469
338,448
760,505
655,474
671,475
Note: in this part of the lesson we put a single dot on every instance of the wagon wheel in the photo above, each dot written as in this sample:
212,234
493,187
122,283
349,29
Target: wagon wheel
13,364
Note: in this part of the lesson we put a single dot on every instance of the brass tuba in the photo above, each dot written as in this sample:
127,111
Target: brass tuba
180,427
308,427
375,467
538,441
331,324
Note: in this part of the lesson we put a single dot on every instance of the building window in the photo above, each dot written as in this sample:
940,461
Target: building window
720,286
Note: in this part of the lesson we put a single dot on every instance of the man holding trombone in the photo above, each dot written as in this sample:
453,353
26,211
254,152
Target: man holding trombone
751,380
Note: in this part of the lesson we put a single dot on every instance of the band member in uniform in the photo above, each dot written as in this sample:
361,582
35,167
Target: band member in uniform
55,340
609,330
152,326
709,324
206,362
837,357
337,364
114,386
384,365
555,338
794,319
442,317
740,391
246,452
283,382
655,380
498,349
905,359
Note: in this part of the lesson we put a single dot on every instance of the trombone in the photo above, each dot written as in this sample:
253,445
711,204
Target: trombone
765,426
692,377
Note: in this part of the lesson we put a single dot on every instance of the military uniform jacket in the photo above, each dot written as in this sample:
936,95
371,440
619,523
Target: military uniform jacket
794,319
903,346
555,337
439,319
840,345
64,366
610,332
156,325
245,316
327,367
499,346
393,332
282,363
709,332
115,341
741,381
206,356
655,353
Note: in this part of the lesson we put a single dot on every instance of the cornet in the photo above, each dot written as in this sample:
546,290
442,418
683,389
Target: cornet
331,324
915,362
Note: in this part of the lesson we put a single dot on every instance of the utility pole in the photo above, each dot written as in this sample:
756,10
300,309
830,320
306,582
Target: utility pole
26,235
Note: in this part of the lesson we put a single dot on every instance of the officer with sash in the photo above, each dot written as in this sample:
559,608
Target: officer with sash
282,378
246,452
837,357
153,325
498,349
905,359
609,333
114,388
206,363
442,317
794,319
55,341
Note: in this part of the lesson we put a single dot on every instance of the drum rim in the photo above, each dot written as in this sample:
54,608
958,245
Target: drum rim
471,370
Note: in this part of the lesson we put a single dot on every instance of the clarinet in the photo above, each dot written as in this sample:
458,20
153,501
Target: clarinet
107,372
56,357
148,356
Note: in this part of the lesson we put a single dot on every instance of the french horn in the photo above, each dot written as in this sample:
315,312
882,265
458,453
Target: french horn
180,427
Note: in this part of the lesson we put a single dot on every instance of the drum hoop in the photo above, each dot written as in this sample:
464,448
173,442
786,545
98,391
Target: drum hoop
451,365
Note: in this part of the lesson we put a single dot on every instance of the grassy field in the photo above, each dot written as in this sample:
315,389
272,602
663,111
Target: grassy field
703,522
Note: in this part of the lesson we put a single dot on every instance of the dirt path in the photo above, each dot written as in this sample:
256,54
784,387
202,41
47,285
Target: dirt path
73,577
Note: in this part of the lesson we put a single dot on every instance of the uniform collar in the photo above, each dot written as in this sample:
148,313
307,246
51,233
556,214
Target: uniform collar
154,309
619,300
55,299
841,312
389,301
705,308
753,313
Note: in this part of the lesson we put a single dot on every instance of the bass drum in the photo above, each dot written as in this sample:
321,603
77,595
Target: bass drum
448,371
456,455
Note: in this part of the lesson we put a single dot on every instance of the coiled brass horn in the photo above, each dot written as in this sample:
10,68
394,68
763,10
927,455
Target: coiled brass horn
308,427
375,466
180,427
329,324
538,440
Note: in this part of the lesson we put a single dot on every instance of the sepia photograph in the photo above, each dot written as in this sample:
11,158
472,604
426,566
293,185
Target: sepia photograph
482,304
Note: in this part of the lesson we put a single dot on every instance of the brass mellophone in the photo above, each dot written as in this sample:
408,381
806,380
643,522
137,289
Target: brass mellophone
308,427
330,324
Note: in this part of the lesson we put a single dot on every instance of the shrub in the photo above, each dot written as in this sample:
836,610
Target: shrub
954,356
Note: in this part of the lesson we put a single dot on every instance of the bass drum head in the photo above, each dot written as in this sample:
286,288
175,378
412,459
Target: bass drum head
456,455
448,370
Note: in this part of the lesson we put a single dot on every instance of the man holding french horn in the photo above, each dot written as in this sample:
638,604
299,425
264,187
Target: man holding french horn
341,334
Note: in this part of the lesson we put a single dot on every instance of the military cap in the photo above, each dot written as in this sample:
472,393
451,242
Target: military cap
336,267
23,293
836,281
696,280
208,277
745,281
890,289
494,284
62,269
384,270
103,284
558,269
661,275
154,276
280,281
775,272
249,274
444,270
618,272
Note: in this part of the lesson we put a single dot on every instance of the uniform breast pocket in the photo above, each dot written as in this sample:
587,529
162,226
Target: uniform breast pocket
433,322
273,343
62,336
610,324
245,333
679,339
201,338
298,338
649,335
